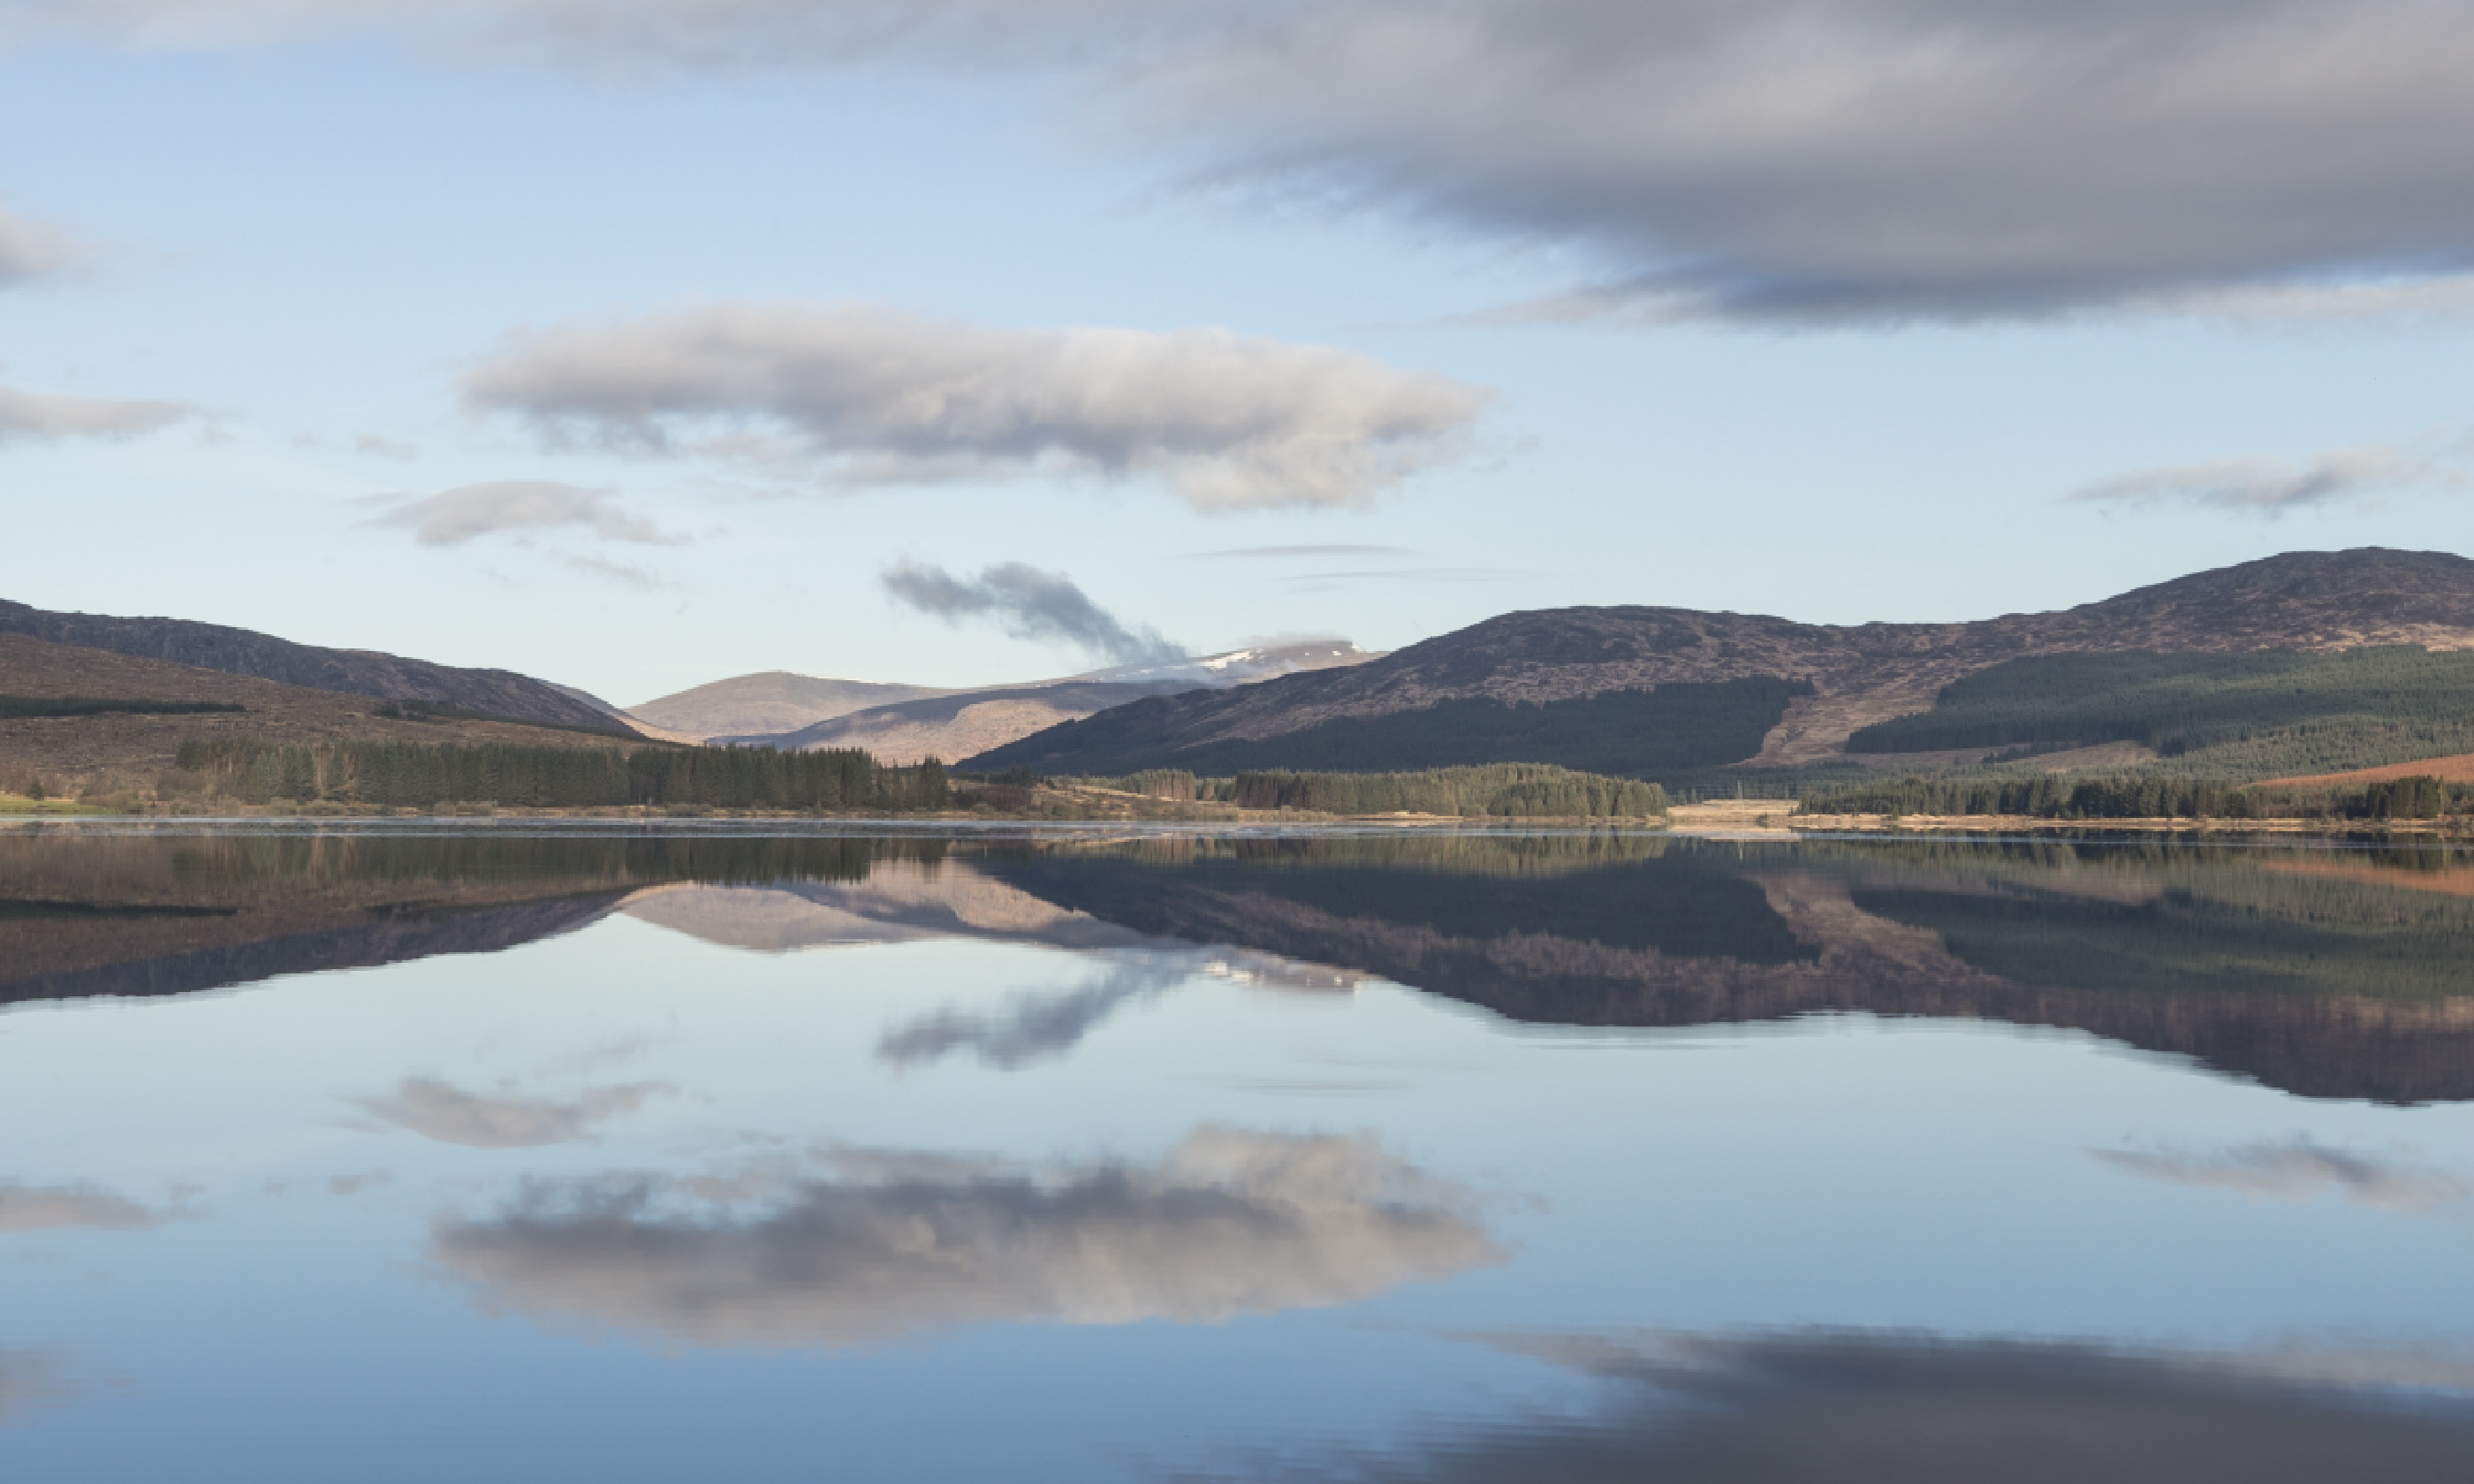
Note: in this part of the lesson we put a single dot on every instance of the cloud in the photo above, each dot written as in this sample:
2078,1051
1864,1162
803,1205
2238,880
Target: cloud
1039,1027
381,446
36,415
1251,553
1804,1405
451,1116
2259,487
67,1207
467,513
1230,1222
31,251
2300,1170
1028,604
1765,160
873,397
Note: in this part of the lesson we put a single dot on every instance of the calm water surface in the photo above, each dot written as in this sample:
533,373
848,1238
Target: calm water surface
482,1153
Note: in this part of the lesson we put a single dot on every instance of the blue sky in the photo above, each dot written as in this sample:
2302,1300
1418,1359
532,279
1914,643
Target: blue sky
650,295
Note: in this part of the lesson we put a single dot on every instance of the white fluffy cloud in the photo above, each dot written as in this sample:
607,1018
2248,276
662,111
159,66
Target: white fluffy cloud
874,396
1230,1222
1767,159
2268,488
35,415
467,513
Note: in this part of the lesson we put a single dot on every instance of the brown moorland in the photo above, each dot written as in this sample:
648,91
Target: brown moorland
119,749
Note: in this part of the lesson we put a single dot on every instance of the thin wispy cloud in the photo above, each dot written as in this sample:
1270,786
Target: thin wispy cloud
1028,604
33,416
467,513
31,251
1762,160
868,396
1327,552
379,445
2268,488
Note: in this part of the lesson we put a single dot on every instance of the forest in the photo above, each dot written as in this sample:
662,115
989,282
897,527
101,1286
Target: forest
2133,796
1503,790
421,775
2267,714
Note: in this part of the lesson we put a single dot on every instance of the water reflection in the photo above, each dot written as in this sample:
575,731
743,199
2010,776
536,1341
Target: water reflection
73,1208
2297,1169
856,1245
2328,974
447,1114
1820,1407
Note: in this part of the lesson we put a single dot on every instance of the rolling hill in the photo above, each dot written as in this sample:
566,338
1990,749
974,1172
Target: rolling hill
1671,685
497,693
948,724
132,748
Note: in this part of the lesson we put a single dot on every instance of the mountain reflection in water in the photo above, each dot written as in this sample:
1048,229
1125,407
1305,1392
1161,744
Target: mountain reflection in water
2325,973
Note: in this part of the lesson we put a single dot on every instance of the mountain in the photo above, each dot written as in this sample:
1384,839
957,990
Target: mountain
498,693
1670,689
950,724
767,703
961,723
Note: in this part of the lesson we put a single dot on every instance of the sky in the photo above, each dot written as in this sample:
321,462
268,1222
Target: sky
635,344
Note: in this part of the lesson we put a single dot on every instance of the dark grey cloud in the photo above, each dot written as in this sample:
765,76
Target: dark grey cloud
881,1244
30,251
447,1114
1771,160
1028,604
72,1208
467,513
2267,487
40,417
1825,1407
2299,1169
869,396
1040,1026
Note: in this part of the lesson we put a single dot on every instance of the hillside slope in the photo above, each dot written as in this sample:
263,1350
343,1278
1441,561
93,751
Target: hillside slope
351,671
1859,675
767,703
68,753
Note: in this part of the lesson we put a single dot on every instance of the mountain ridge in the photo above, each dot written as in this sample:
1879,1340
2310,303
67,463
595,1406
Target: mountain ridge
245,652
1862,673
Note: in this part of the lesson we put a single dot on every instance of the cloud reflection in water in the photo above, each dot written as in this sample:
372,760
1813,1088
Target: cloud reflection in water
869,1245
447,1114
66,1207
1832,1408
2299,1170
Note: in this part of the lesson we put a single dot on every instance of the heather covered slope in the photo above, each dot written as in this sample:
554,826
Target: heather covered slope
1860,675
500,693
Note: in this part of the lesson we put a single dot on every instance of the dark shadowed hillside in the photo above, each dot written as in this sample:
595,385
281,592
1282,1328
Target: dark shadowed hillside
353,671
1860,675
